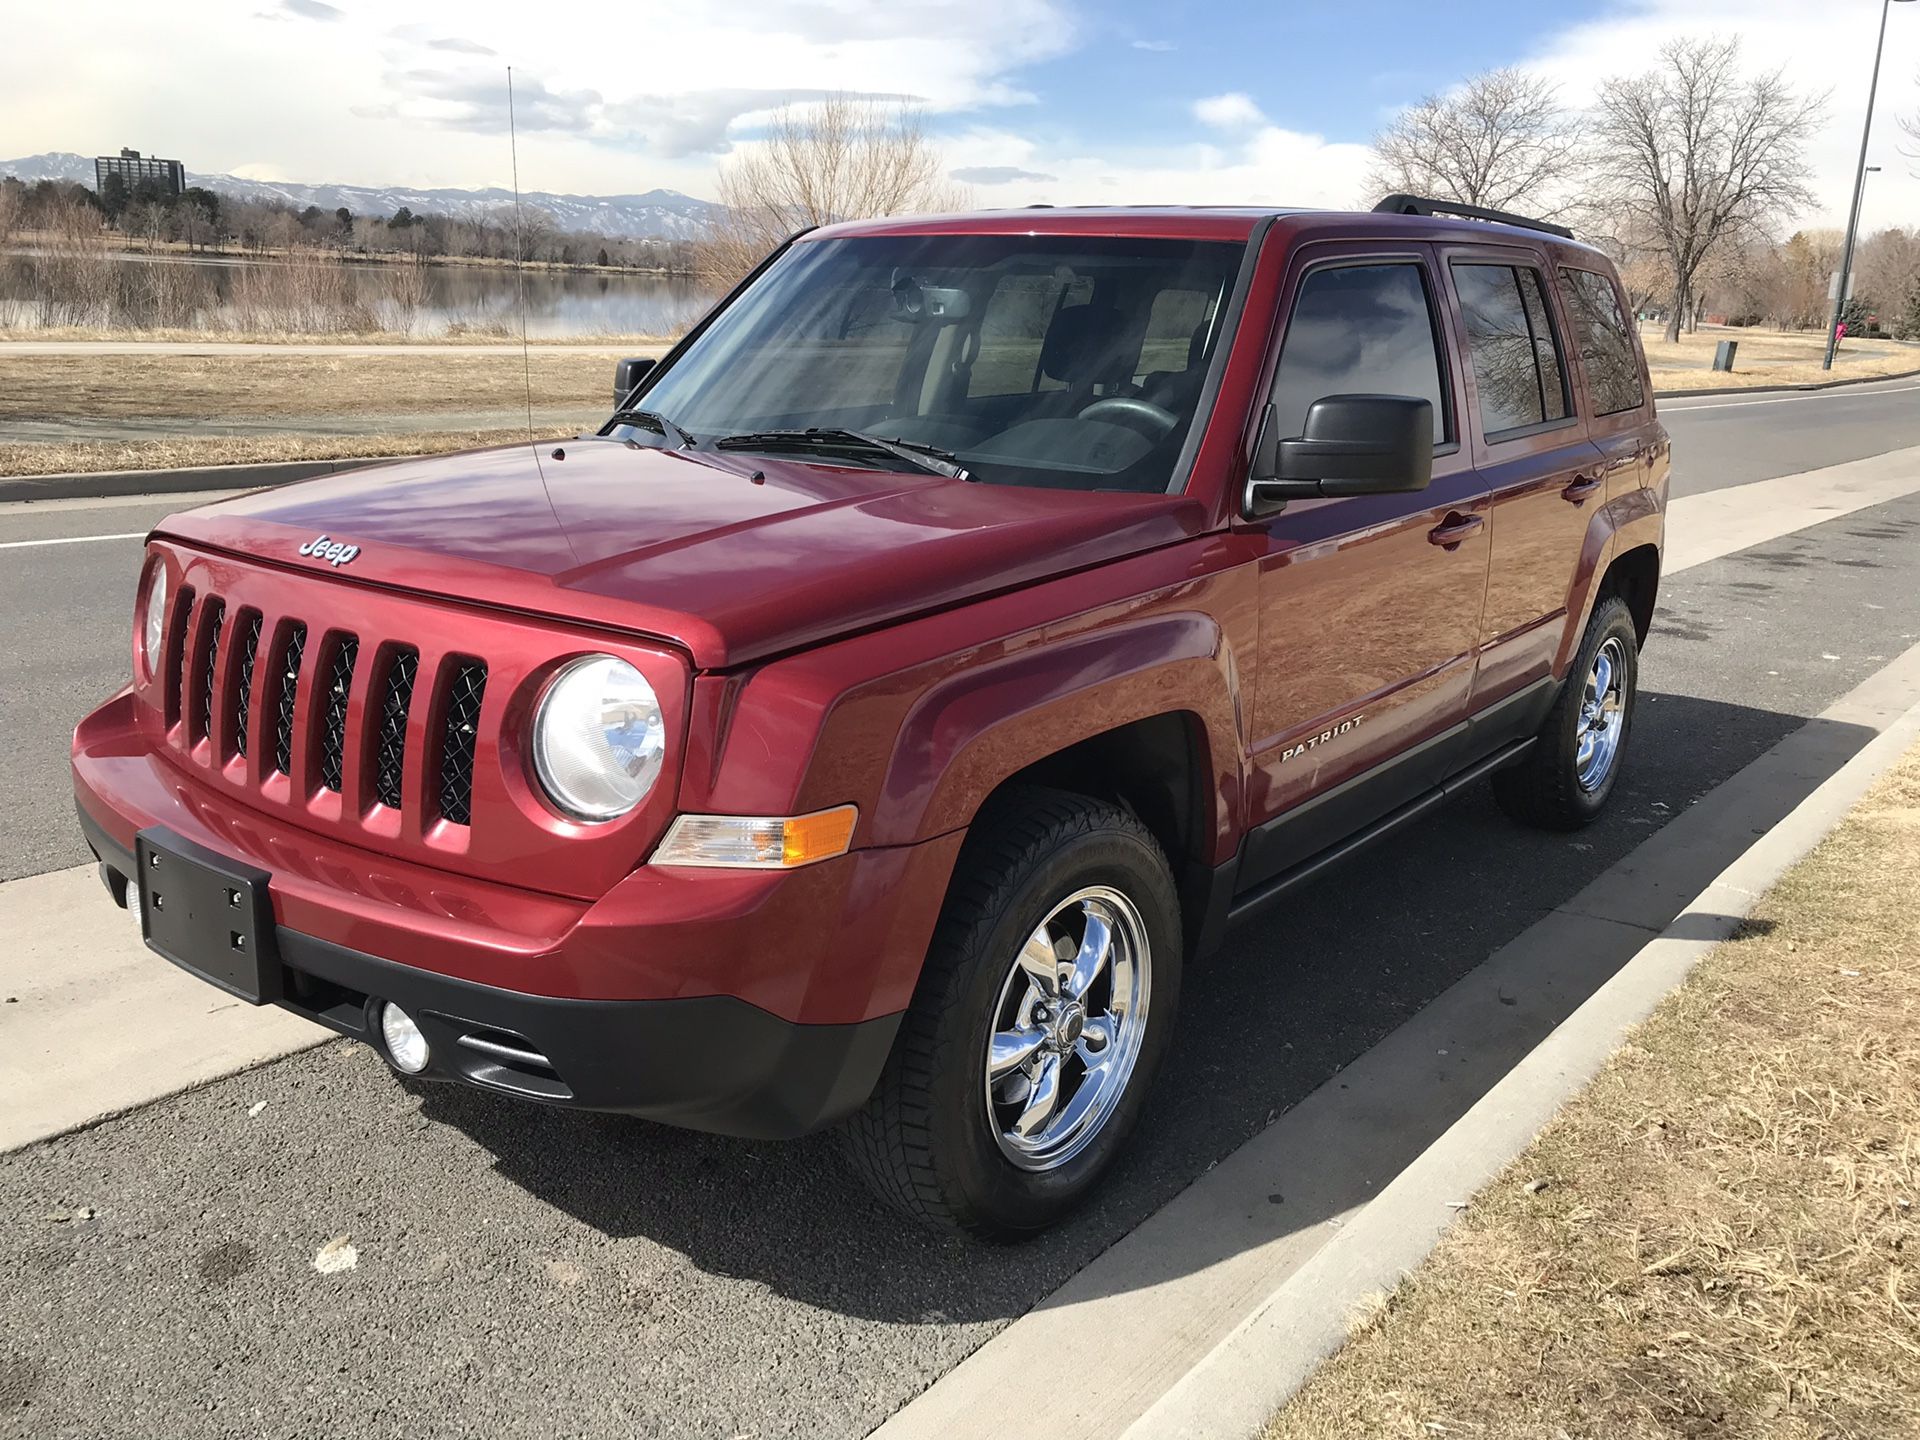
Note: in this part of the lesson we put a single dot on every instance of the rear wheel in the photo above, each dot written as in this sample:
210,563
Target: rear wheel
1042,1012
1566,778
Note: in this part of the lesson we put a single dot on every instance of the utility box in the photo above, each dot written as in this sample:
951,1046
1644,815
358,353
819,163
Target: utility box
1723,354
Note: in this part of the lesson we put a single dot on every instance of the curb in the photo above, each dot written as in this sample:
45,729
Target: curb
99,484
1781,389
1239,1386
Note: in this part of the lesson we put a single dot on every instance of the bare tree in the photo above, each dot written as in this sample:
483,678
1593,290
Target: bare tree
823,162
1501,140
1888,265
1911,124
1694,152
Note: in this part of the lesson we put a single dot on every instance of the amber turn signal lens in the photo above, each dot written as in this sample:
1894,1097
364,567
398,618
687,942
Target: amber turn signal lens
757,842
819,836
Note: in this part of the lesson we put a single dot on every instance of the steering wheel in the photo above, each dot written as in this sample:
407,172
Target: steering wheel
1136,414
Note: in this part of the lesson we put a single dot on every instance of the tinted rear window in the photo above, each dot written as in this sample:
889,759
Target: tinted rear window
1517,369
1606,344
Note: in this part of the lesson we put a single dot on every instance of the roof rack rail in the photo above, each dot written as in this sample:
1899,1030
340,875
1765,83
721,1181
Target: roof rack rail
1398,204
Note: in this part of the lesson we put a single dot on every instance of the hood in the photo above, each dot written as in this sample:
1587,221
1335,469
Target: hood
732,556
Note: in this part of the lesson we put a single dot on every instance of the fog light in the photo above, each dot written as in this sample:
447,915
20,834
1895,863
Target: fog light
406,1046
133,906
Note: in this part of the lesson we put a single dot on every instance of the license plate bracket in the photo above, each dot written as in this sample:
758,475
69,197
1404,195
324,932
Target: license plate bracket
208,913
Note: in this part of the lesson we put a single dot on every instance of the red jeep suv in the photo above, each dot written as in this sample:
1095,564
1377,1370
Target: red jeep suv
936,650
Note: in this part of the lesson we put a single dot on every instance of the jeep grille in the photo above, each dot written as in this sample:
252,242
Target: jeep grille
201,643
391,722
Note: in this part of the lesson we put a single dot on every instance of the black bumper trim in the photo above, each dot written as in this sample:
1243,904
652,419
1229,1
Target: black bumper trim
715,1063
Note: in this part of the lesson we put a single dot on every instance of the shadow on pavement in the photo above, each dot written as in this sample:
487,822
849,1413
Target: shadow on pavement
1295,996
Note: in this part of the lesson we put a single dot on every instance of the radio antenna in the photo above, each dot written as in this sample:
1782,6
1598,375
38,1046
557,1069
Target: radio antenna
520,272
520,287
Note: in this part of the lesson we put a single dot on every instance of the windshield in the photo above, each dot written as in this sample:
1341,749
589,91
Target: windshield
1060,361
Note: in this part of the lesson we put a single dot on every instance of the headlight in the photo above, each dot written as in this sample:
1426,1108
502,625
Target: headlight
153,631
599,739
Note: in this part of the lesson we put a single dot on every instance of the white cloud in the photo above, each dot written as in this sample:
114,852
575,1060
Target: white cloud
1157,47
1268,165
1232,111
404,92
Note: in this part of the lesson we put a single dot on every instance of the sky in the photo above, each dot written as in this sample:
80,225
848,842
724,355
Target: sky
1065,101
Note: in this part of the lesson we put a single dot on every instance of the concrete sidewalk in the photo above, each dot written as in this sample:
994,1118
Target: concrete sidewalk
92,1022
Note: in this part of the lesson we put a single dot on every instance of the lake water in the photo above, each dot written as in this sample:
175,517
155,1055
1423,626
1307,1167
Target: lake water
559,303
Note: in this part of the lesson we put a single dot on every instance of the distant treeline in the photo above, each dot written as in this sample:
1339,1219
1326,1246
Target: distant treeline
203,220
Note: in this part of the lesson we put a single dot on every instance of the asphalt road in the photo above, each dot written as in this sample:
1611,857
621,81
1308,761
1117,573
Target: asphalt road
538,1273
1731,441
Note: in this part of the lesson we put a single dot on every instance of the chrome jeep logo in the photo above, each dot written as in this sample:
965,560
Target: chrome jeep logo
1322,738
335,552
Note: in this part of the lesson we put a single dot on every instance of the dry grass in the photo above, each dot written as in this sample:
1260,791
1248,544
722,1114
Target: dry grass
68,459
460,334
209,387
1768,357
1727,1240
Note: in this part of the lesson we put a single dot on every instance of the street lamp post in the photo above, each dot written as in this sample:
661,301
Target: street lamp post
1859,184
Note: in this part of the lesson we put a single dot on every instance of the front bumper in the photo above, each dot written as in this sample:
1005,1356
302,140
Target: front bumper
754,1003
708,1062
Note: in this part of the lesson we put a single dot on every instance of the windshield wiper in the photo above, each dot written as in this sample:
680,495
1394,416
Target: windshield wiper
653,420
929,458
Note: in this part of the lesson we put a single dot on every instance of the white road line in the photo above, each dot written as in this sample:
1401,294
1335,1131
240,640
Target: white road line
70,540
1784,399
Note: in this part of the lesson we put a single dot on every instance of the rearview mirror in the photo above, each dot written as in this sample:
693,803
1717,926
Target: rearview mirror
626,375
1349,445
933,304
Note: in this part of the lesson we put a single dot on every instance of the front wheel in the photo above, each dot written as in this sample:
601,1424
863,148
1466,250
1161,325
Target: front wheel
1046,1002
1565,779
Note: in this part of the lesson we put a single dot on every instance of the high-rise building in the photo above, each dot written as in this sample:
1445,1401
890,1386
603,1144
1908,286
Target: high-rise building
134,169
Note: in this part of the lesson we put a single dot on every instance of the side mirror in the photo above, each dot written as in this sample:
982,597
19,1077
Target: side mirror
626,375
1350,445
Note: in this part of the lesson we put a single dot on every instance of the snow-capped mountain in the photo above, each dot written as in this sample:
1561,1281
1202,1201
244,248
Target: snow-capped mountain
651,215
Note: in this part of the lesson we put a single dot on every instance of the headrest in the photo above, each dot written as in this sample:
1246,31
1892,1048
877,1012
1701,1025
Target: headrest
1080,344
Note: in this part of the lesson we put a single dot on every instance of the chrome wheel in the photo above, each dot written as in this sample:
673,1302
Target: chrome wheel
1603,716
1067,1028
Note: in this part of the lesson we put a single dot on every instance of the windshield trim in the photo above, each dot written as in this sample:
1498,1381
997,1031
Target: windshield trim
1230,317
704,323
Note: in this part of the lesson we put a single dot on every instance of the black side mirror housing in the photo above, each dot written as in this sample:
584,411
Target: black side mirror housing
1350,445
626,375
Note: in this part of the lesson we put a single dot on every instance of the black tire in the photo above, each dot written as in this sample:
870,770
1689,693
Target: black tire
1543,789
925,1141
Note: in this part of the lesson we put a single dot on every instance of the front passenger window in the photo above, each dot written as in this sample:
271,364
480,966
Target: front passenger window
1359,330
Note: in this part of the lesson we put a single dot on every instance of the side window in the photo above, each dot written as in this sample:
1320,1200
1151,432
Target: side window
1013,327
1517,368
1546,349
1606,344
1360,330
1176,331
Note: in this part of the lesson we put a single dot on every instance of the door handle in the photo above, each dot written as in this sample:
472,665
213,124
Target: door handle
1582,489
1456,527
